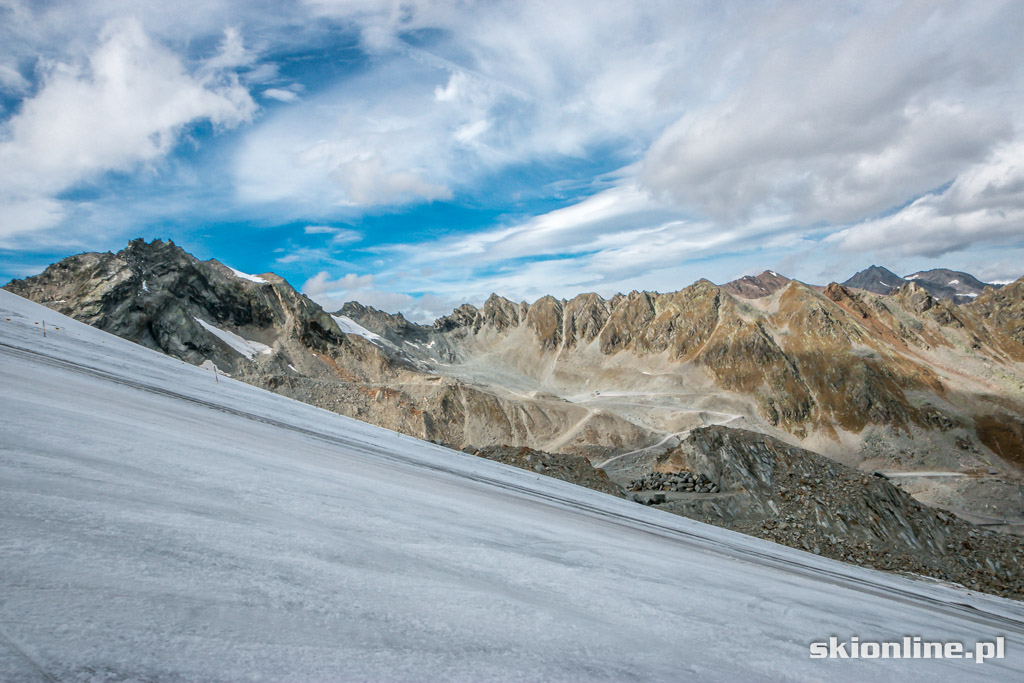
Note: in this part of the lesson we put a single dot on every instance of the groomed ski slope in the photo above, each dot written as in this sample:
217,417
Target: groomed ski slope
158,525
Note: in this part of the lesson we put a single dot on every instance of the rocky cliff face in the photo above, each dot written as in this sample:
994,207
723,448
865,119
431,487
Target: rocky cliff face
999,314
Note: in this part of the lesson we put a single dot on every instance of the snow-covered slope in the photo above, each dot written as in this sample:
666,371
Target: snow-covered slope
349,326
246,276
158,524
246,347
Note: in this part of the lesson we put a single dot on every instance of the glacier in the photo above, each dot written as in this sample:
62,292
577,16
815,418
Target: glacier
159,525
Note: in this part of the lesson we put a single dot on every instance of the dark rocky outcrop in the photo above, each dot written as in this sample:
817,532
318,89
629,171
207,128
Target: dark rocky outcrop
153,293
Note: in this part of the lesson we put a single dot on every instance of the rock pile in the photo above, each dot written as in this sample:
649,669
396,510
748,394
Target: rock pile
682,482
571,468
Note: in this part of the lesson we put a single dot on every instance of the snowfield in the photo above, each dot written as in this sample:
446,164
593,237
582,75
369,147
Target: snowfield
158,525
350,326
246,347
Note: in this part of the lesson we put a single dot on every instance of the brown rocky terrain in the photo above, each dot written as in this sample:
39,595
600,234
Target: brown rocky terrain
901,382
828,366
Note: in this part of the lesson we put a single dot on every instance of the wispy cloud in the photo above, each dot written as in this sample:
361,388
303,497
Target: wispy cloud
338,236
615,240
863,111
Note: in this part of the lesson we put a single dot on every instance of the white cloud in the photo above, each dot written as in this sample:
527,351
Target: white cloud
984,204
864,111
799,112
372,143
596,222
309,255
124,106
25,214
333,294
368,181
508,84
615,240
280,95
762,127
232,53
321,283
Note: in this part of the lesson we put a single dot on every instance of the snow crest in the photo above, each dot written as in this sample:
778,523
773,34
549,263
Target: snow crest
246,276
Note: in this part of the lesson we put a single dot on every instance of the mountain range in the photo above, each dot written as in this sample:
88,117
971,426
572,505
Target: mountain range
943,283
909,381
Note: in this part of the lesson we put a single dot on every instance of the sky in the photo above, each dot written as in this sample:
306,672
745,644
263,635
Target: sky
417,155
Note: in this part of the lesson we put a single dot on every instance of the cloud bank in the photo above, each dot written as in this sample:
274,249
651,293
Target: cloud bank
603,145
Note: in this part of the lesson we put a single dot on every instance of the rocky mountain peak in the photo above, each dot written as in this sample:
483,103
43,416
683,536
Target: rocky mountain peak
876,279
1003,309
584,316
465,316
155,249
955,285
756,286
374,318
501,313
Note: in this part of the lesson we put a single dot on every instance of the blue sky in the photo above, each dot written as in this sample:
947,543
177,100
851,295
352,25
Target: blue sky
415,155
